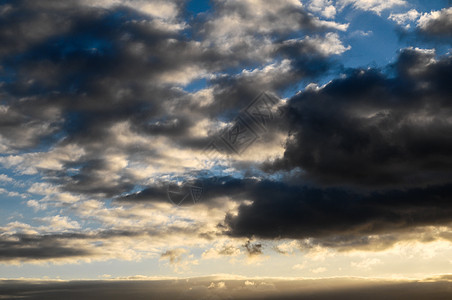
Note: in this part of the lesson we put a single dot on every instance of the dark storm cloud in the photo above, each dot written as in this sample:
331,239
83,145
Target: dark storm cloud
370,129
383,145
333,217
338,216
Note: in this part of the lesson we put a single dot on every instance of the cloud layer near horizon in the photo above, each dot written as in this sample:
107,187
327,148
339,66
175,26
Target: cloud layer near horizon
231,288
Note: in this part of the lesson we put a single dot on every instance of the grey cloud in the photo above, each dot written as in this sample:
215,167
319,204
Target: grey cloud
253,249
340,218
228,250
299,212
32,247
34,250
91,68
21,27
370,129
174,256
21,247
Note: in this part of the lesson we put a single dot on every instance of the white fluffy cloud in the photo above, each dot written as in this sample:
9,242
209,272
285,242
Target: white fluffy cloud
376,6
405,18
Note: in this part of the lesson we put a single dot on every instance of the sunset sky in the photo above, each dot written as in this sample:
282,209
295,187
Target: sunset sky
248,141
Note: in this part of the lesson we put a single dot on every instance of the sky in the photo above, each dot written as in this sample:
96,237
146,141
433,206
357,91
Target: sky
226,142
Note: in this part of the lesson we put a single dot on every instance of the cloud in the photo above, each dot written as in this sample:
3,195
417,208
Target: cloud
96,100
375,6
436,23
404,18
59,224
222,249
335,217
253,249
369,129
324,7
117,228
5,178
368,155
25,247
338,216
238,19
98,105
174,256
287,247
434,26
218,285
178,259
156,8
291,215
